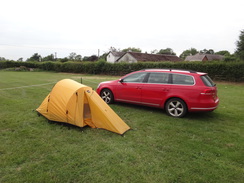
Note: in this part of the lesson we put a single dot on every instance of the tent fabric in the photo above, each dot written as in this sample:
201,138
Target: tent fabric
79,105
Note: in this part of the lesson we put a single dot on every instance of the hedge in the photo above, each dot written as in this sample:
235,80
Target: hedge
225,71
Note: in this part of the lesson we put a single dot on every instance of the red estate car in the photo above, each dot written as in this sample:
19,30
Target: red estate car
176,91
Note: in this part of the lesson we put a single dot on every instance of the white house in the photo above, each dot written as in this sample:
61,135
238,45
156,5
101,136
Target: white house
134,57
113,56
127,57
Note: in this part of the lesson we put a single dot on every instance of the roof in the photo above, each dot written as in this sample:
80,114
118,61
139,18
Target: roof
153,57
200,57
116,53
214,57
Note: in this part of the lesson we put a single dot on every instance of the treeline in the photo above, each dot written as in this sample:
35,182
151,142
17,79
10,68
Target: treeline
224,71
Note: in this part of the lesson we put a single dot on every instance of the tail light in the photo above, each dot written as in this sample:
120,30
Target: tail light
207,92
210,92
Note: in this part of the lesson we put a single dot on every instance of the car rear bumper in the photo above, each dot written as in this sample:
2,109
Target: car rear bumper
206,106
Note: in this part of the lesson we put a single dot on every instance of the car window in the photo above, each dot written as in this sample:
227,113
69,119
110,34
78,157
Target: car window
207,81
182,79
135,78
158,77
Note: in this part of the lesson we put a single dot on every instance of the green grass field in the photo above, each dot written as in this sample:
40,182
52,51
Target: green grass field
202,147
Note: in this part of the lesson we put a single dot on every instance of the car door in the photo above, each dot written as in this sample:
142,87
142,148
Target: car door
129,88
156,89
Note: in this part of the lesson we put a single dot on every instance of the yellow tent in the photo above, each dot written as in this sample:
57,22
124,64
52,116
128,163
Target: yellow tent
77,104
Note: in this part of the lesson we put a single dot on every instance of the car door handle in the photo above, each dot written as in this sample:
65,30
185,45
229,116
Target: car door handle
166,89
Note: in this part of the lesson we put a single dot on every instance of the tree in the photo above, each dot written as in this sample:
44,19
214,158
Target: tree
155,51
205,51
34,58
240,46
167,51
230,58
78,58
223,52
132,49
113,49
20,60
65,59
103,56
72,56
91,58
189,52
2,59
49,58
227,56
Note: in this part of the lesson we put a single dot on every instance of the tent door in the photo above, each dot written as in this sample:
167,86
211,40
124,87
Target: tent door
87,115
86,112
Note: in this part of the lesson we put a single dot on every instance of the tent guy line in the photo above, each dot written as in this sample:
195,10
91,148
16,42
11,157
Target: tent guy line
89,81
26,86
39,85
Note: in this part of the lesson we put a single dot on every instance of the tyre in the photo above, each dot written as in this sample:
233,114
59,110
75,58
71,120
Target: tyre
107,96
176,107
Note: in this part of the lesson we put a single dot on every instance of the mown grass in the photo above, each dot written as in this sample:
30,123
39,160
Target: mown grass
202,147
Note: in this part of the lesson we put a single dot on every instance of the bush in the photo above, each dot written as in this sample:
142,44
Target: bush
227,71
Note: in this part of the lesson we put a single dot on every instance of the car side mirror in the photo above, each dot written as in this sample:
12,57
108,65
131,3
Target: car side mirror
121,80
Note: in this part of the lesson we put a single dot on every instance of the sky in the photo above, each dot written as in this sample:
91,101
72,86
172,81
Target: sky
88,27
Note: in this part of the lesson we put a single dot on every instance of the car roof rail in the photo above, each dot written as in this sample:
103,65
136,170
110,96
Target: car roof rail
169,69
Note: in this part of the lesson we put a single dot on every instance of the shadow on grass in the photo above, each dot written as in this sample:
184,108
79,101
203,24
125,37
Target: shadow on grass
64,125
137,107
68,126
199,116
207,116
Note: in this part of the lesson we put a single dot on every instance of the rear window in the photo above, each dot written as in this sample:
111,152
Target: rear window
207,81
158,77
181,79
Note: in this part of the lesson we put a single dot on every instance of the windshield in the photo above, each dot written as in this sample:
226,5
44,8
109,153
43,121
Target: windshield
207,81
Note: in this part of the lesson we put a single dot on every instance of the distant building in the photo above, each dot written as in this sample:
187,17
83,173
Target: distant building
204,57
134,57
113,56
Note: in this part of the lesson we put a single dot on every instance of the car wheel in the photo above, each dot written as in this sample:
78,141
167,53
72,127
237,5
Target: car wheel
107,96
176,107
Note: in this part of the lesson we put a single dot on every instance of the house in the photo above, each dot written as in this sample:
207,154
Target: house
134,57
204,57
113,56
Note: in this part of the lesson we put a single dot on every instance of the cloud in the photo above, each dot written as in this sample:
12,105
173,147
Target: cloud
46,26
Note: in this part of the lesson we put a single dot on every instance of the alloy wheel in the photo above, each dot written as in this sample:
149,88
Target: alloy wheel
176,107
107,96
